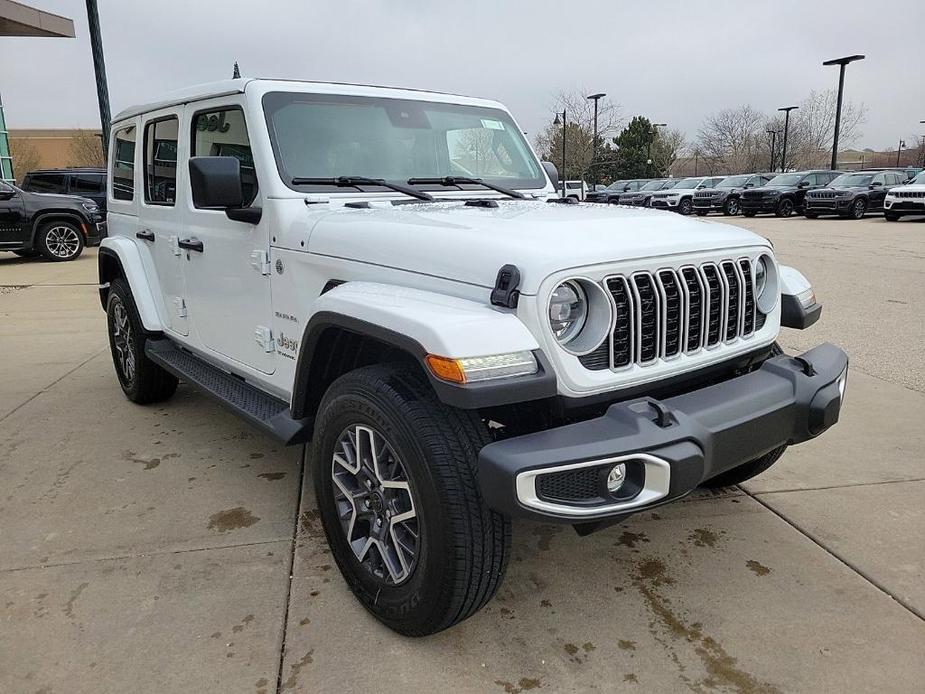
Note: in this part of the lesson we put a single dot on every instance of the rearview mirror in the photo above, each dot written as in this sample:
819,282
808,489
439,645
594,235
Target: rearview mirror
552,172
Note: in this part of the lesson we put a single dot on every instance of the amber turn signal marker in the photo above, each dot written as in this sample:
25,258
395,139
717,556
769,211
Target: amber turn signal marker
445,369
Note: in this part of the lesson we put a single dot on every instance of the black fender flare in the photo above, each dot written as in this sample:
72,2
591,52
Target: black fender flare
470,396
44,215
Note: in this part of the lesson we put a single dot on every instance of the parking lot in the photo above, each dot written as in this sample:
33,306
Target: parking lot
173,548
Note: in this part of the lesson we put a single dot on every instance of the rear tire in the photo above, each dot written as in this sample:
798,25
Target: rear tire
142,380
59,241
461,547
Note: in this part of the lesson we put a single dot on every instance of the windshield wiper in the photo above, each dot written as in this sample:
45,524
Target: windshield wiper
457,180
357,181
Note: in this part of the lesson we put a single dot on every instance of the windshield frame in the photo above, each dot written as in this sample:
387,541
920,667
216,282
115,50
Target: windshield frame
273,101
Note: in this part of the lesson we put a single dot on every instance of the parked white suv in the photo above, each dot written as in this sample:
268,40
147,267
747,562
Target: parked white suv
390,275
680,198
906,199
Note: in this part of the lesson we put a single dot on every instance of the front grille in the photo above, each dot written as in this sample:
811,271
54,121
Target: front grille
823,194
909,193
704,194
663,314
752,195
581,484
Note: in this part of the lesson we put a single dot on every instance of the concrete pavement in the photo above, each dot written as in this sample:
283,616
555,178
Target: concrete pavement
150,549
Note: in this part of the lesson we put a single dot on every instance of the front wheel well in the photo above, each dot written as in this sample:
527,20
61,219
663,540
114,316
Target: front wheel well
333,352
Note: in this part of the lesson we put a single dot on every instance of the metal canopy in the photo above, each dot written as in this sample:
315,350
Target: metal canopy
17,19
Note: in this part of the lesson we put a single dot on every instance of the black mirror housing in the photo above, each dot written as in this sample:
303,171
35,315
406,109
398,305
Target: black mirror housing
215,182
552,172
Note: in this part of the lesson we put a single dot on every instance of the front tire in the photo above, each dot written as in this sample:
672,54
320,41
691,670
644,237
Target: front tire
731,208
60,241
685,207
142,380
445,561
859,208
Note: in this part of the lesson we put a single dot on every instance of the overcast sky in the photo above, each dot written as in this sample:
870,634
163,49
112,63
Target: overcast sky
675,62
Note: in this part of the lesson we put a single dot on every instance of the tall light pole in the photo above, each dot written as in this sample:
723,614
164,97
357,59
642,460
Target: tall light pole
899,149
773,134
563,123
595,98
923,145
783,156
99,67
652,136
841,62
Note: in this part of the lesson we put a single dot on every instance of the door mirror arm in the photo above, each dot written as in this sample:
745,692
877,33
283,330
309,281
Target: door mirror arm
249,215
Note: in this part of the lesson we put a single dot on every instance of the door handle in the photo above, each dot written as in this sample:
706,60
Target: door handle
190,244
145,235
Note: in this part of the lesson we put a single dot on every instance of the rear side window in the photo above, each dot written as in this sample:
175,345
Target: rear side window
46,183
160,161
123,164
82,184
223,133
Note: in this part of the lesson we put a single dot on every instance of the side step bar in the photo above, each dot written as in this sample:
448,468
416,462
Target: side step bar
262,410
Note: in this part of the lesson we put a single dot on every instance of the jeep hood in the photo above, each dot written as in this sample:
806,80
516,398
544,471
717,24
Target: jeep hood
470,244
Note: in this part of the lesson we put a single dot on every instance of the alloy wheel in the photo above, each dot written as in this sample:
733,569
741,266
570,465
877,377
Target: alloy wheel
123,340
62,241
732,207
860,207
786,208
374,503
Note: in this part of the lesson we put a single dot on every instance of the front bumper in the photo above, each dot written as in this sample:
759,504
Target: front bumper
711,204
94,232
911,205
664,203
668,446
827,205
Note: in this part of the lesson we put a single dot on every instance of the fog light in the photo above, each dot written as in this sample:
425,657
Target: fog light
616,477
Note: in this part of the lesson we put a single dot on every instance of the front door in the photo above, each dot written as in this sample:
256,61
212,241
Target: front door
13,228
228,279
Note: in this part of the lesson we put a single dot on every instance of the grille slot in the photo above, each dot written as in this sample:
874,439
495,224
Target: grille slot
675,311
581,484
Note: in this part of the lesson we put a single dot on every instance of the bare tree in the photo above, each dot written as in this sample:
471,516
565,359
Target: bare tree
732,140
25,156
87,149
580,136
667,148
813,127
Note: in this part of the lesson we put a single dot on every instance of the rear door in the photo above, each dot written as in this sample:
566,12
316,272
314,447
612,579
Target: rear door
12,218
161,229
228,280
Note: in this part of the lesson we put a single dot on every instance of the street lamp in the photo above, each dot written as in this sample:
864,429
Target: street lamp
595,98
773,134
841,62
899,149
652,136
923,145
783,156
563,123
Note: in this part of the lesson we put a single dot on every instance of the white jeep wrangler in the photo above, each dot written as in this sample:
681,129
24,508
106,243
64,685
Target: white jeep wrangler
389,275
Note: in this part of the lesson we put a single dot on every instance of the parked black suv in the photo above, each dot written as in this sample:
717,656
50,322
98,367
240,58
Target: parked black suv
642,197
55,226
852,194
85,182
783,195
613,192
725,196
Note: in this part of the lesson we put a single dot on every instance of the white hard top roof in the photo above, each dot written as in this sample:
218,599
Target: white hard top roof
211,90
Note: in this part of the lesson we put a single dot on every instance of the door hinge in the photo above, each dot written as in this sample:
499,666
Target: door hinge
175,245
264,337
180,303
260,261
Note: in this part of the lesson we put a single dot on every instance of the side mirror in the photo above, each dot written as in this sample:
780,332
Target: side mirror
749,185
876,184
803,184
215,183
552,172
7,194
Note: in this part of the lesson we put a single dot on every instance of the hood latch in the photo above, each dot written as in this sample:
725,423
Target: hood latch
505,293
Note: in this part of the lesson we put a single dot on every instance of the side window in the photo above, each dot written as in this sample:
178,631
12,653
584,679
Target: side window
82,184
880,178
160,162
123,164
46,183
813,179
223,133
895,179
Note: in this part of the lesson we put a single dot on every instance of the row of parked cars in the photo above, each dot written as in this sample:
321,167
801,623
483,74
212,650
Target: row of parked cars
811,193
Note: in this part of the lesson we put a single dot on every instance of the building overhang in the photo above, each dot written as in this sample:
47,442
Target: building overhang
17,19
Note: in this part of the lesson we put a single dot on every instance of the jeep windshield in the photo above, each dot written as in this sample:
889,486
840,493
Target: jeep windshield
852,180
786,180
653,185
685,183
331,136
733,182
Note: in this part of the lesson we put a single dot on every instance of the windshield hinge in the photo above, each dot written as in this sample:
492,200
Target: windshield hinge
260,261
505,293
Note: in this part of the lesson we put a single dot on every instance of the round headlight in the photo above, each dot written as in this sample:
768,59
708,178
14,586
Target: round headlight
568,310
761,276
